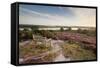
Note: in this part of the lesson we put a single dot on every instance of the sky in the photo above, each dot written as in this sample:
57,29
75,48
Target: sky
54,15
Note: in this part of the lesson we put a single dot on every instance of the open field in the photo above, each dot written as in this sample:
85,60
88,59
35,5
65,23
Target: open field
38,46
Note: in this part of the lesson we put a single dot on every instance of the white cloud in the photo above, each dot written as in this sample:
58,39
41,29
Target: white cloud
38,13
83,17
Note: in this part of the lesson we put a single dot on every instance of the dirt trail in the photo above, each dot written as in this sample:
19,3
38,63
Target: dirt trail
55,48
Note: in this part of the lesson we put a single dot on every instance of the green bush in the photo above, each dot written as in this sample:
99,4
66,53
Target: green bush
25,34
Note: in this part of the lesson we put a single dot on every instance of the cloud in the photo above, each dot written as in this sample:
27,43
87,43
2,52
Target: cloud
51,17
83,17
44,15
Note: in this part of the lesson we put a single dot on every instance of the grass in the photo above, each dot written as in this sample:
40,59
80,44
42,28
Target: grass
50,57
33,50
76,52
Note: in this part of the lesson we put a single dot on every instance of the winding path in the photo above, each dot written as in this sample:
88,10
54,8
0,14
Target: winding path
55,48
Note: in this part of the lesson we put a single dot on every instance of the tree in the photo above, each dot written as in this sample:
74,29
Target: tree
79,30
69,28
61,29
